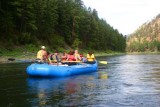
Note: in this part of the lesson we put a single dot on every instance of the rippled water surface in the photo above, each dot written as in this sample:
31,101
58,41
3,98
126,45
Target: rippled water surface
127,80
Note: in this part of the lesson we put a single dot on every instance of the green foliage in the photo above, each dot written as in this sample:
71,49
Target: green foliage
145,46
31,47
158,46
109,51
56,41
25,38
76,43
56,23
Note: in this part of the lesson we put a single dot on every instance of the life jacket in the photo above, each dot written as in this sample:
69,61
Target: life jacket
42,54
71,58
77,57
53,58
64,58
50,57
39,54
90,57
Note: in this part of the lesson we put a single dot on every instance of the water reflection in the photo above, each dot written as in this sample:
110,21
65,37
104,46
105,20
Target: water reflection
45,89
102,75
60,91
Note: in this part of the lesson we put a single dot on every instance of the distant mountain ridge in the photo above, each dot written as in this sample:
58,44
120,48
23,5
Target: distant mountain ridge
146,37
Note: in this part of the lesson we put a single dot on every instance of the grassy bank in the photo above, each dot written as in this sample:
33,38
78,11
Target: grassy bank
142,53
29,53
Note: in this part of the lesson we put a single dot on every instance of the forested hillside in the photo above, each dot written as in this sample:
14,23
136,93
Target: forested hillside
146,38
56,24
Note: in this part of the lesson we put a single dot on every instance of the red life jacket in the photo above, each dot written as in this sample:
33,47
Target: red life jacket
71,58
64,58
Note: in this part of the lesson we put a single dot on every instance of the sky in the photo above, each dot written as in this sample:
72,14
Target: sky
125,15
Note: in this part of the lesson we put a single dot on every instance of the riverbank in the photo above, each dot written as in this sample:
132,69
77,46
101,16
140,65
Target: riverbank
30,56
142,53
17,58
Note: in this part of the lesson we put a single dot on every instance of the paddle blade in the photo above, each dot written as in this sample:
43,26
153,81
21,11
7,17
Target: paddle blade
103,62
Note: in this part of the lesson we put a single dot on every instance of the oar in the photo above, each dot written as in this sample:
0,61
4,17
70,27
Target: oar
70,61
103,62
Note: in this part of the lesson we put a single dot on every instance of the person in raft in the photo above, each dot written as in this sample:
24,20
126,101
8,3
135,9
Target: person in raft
70,56
77,55
90,57
71,60
54,58
50,57
64,56
42,54
83,58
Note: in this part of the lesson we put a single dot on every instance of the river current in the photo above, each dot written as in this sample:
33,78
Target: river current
126,81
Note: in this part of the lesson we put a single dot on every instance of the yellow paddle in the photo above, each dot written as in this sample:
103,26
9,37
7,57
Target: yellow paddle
103,62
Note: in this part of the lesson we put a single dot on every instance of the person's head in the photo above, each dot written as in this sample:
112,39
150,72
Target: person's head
56,52
48,52
64,53
43,47
71,52
90,53
76,51
81,55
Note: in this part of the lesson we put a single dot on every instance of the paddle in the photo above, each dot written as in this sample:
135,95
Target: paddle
103,62
70,61
13,59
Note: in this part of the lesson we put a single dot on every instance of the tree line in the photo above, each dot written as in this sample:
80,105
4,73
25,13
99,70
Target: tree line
56,23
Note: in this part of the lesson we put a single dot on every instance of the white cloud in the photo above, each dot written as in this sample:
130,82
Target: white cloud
125,15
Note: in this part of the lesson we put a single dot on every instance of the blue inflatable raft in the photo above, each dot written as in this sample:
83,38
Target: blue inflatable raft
46,70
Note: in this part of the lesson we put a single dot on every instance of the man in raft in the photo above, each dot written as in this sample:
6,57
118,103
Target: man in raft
54,58
42,54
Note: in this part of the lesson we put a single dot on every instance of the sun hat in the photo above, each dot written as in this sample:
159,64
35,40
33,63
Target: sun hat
43,47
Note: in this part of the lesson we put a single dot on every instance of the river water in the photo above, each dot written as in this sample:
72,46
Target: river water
127,80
